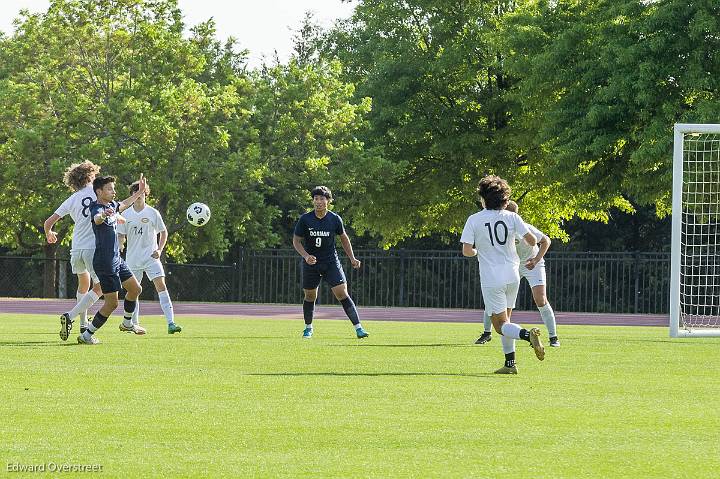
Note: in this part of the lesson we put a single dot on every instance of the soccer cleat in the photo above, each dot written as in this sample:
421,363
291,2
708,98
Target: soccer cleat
93,340
484,338
135,328
361,333
507,370
65,326
555,342
174,328
307,333
537,344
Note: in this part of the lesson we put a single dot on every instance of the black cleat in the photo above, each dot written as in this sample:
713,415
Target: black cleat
555,342
484,338
65,326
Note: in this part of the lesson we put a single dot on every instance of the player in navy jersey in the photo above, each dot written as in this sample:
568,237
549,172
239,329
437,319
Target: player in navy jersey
107,263
318,229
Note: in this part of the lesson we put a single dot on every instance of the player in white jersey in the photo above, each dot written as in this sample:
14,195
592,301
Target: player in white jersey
490,235
532,268
143,224
78,177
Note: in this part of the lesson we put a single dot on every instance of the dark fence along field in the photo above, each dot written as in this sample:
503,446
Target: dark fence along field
582,282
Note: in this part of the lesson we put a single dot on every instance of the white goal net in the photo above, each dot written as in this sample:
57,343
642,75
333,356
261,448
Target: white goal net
695,269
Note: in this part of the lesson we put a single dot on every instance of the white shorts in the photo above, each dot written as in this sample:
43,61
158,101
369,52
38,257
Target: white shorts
535,276
81,261
153,269
498,299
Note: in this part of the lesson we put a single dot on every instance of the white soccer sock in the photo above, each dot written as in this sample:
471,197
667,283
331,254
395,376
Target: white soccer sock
548,316
511,330
358,326
508,344
487,322
166,306
84,304
83,314
136,314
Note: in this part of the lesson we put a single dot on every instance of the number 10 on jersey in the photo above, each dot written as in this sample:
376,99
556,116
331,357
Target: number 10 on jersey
493,231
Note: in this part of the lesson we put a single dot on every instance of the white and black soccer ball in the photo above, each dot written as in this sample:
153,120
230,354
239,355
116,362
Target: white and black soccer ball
198,214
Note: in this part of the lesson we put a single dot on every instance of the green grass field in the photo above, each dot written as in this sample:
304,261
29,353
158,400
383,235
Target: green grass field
250,398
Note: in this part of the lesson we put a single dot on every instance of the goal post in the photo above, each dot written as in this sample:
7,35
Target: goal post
695,259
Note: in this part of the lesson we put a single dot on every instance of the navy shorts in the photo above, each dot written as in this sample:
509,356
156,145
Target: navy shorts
330,271
111,282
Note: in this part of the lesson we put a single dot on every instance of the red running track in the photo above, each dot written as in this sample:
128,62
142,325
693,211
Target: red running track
371,313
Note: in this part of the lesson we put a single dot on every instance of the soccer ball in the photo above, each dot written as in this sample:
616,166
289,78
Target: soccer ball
198,214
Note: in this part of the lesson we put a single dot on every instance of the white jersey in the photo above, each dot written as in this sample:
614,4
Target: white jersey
493,234
78,207
524,250
141,228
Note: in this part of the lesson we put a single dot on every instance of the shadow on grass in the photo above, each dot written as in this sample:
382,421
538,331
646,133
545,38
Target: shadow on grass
478,375
419,345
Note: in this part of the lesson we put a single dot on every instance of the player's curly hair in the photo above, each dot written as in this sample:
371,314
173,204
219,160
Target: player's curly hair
135,185
78,175
322,191
494,191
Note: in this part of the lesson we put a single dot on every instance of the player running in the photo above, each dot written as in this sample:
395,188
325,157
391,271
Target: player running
532,268
490,235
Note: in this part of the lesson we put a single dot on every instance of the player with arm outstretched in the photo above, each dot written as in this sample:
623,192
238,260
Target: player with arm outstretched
78,177
111,270
490,235
532,268
318,229
143,224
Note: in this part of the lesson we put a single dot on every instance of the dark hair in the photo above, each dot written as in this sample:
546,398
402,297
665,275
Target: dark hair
135,186
494,191
101,181
322,191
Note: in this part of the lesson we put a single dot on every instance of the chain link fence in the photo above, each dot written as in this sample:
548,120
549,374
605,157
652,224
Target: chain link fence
580,282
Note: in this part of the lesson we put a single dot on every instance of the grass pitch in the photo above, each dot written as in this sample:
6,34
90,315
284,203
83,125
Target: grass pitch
250,398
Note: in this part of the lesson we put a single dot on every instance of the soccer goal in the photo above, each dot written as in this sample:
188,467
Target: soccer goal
695,268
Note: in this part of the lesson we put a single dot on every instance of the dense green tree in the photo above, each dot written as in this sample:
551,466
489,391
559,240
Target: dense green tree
307,121
116,82
443,117
601,84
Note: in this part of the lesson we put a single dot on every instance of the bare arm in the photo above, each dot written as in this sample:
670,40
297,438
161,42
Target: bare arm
162,241
297,244
127,202
544,246
345,240
530,239
468,250
50,235
121,240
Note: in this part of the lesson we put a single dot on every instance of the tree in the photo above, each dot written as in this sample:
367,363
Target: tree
602,83
116,82
308,119
442,117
